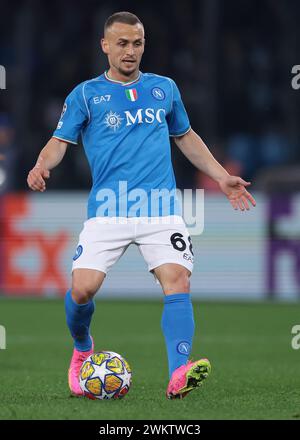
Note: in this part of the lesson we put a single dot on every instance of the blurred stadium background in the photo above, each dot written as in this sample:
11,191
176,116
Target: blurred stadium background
232,61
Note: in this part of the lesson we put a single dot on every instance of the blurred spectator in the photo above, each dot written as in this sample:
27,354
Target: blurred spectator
233,166
275,148
243,149
8,154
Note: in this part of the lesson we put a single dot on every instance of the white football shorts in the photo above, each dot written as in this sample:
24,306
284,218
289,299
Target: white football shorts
160,240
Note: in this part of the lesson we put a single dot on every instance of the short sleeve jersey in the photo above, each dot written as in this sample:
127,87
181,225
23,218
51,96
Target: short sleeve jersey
125,130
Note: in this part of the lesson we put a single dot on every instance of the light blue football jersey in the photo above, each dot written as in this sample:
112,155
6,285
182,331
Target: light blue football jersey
125,129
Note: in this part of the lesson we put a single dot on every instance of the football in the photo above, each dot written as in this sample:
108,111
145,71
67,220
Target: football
105,375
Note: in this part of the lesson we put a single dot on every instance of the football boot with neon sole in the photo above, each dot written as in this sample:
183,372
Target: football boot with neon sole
73,375
187,378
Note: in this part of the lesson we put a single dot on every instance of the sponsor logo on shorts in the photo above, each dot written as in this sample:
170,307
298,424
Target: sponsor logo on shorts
187,257
184,348
78,252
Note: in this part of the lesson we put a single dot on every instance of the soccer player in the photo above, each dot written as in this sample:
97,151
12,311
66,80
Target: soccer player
125,118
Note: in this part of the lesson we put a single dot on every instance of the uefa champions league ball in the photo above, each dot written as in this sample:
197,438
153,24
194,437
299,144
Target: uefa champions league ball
105,375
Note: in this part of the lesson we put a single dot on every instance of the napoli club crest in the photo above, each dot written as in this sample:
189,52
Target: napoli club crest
184,348
78,252
158,93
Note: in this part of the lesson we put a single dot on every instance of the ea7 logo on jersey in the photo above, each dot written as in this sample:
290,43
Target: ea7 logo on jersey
149,115
99,99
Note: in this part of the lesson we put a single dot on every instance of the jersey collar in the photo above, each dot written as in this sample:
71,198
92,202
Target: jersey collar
121,82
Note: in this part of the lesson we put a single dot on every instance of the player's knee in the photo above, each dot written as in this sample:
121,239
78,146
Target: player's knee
183,282
82,292
178,282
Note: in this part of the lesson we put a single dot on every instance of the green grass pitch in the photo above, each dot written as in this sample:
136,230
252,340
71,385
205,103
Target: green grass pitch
255,371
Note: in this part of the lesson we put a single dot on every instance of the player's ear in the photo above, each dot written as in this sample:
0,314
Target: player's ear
104,45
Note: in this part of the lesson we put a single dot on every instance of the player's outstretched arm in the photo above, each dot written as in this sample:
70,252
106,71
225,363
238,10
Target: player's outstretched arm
50,156
199,155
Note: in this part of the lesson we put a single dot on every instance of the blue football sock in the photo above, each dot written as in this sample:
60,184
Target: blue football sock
178,328
78,319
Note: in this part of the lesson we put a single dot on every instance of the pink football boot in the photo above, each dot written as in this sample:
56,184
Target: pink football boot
188,377
73,375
